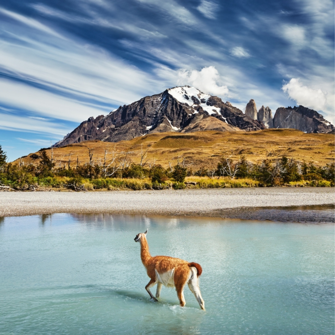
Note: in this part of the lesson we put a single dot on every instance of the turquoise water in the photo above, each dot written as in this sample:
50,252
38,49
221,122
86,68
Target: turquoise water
72,274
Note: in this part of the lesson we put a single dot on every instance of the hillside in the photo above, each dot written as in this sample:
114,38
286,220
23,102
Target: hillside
203,148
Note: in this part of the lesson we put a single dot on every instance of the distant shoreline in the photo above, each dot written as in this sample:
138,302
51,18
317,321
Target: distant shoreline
274,204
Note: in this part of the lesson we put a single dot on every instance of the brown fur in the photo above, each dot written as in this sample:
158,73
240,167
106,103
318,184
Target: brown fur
164,264
197,266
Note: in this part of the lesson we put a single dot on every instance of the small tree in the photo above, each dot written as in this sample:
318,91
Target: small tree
3,157
179,173
158,174
46,165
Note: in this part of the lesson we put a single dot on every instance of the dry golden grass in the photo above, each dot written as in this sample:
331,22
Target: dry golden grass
204,148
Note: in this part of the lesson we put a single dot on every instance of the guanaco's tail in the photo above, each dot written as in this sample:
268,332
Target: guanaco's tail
197,266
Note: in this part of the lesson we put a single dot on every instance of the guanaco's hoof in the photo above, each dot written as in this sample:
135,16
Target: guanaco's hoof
154,299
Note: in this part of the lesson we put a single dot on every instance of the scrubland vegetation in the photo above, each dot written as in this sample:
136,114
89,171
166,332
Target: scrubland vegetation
120,172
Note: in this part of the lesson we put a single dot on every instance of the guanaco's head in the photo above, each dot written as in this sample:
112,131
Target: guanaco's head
139,236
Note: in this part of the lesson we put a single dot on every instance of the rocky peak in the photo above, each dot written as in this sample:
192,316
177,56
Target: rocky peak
251,110
301,118
265,115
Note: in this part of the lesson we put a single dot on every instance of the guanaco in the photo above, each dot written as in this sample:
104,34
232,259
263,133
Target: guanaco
170,272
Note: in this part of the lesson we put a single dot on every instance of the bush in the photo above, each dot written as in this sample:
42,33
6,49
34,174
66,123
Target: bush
160,186
179,174
312,176
158,175
178,186
99,183
75,183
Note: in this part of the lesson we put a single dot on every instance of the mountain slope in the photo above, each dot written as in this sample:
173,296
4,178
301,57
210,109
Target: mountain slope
179,109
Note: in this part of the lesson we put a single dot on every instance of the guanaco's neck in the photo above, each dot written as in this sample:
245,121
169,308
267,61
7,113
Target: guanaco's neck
145,253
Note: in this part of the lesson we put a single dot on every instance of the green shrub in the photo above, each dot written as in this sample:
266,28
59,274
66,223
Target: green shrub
312,176
99,183
158,175
178,186
179,174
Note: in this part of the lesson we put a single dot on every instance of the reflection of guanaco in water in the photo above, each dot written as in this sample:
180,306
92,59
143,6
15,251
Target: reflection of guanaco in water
170,272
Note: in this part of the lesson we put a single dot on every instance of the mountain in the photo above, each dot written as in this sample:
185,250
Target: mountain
265,115
301,118
179,109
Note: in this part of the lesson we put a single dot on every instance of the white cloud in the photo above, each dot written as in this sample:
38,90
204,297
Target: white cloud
239,52
294,34
21,123
40,142
207,80
43,102
96,20
303,95
208,9
81,71
29,22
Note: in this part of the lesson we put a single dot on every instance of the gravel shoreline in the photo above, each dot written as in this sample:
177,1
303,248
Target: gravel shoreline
273,204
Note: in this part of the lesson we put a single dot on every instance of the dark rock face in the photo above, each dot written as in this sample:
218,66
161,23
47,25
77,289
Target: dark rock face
265,115
251,110
301,118
175,109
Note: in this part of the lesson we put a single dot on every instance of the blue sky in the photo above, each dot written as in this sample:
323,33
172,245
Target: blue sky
64,61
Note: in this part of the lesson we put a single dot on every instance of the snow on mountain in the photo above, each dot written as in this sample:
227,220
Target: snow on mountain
184,95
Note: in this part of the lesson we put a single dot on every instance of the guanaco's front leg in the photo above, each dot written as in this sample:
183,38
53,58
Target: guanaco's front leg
150,284
158,291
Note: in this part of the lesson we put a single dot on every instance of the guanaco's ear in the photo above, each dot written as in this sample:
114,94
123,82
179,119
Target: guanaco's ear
146,232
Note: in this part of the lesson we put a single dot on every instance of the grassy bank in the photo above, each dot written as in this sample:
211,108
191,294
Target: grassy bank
115,184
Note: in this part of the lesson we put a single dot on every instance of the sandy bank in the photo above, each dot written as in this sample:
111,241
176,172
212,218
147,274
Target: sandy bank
224,203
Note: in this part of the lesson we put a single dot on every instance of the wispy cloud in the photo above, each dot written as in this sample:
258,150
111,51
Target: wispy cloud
43,102
39,142
239,52
208,9
29,22
294,34
22,123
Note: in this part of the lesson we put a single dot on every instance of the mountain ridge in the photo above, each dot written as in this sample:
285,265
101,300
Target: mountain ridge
186,109
181,108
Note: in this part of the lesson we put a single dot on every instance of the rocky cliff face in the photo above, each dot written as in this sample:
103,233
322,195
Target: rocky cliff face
265,115
251,110
301,118
179,109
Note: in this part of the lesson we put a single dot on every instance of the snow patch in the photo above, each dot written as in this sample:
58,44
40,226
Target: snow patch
184,94
173,127
210,109
148,128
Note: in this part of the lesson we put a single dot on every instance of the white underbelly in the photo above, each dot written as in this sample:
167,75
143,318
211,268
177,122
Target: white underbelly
166,278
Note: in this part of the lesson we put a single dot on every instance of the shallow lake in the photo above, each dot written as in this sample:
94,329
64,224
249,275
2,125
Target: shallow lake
82,274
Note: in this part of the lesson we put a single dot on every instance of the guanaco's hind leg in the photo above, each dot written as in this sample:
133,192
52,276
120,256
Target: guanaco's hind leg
181,277
180,293
150,284
158,291
193,285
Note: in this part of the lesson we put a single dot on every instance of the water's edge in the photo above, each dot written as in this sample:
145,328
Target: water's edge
311,214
